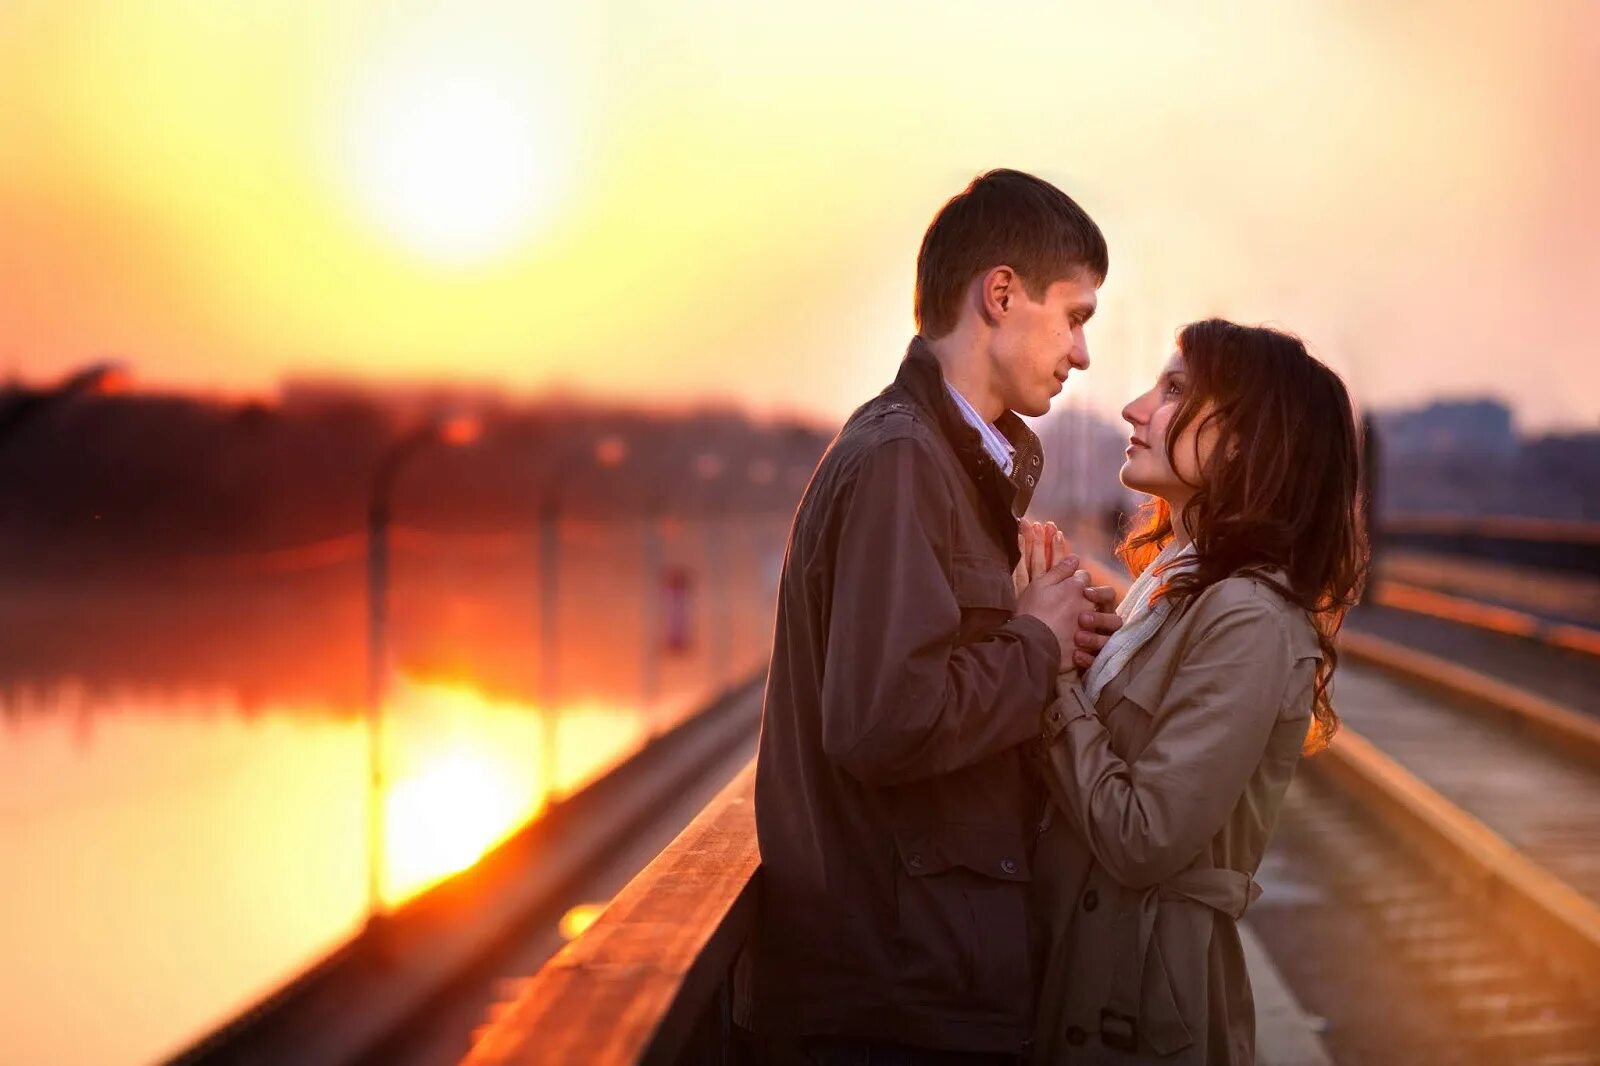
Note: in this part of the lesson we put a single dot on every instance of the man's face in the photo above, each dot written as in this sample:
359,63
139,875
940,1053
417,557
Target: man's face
1038,342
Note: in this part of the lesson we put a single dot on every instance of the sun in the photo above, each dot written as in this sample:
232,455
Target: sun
457,163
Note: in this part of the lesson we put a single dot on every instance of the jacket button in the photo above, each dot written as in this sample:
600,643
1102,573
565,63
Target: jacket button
1091,900
1076,1036
1008,865
1029,479
915,862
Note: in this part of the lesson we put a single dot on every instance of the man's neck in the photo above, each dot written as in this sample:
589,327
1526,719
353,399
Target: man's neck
966,368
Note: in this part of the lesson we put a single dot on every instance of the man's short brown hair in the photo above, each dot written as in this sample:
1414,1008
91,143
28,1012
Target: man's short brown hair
1004,218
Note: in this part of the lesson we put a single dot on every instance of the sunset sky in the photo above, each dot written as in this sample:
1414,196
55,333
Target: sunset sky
662,201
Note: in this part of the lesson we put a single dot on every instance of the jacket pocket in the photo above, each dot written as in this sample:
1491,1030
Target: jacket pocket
982,582
985,593
962,907
1144,690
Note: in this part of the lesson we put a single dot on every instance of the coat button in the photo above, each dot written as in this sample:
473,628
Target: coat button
1008,865
915,862
1076,1036
1029,479
1091,900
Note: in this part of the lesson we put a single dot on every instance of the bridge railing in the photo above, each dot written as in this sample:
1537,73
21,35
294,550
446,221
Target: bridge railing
1548,544
651,980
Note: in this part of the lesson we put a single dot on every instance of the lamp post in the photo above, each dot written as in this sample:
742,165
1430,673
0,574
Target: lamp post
98,379
709,468
654,613
455,432
607,453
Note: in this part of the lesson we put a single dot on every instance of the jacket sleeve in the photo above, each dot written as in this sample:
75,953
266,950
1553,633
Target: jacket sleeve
901,699
1148,820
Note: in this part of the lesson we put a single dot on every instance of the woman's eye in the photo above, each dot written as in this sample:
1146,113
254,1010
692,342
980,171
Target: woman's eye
1174,389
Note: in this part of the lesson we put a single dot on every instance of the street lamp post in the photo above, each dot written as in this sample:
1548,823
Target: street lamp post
456,432
653,611
709,467
607,453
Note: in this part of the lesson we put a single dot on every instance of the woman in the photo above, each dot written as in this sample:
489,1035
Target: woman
1168,759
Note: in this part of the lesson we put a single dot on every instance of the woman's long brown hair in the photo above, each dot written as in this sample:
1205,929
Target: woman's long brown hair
1280,490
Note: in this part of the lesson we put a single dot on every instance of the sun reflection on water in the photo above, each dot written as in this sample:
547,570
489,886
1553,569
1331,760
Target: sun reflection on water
465,773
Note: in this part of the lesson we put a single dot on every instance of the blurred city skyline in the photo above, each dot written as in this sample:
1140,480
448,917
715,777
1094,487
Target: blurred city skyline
675,204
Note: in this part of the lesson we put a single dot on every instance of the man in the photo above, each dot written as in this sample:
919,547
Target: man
894,812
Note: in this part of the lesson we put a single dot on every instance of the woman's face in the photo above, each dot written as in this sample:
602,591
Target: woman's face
1148,468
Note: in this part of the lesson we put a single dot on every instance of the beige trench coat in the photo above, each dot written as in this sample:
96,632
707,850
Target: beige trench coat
1164,796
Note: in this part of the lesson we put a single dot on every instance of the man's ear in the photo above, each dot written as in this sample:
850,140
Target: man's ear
995,289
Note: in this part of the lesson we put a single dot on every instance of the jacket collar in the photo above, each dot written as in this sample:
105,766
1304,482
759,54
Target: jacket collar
922,379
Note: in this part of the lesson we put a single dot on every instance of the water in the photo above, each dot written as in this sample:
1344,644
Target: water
184,762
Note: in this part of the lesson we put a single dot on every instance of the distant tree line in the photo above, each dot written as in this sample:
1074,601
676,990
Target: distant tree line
108,482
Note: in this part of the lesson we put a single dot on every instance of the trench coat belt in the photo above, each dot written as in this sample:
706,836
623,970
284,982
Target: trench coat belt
1126,1016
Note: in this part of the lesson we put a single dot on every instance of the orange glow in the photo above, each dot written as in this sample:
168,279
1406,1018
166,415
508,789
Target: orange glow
611,451
539,195
113,381
577,921
465,774
460,430
448,814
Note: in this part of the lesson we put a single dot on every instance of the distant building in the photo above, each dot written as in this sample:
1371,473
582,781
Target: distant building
1470,428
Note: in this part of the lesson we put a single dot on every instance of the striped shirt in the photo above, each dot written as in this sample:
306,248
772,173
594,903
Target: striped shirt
994,442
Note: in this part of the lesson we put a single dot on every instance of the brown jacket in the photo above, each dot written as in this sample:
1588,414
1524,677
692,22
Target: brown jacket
893,804
1165,794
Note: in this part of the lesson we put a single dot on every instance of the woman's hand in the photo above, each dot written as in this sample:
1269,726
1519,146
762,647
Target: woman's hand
1041,544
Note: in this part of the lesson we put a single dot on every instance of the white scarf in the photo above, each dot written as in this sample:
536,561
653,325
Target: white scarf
1140,618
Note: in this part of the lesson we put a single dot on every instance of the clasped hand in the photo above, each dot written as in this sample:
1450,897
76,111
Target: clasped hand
1052,588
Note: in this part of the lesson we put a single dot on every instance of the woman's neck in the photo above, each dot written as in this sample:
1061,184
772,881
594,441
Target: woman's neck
1180,532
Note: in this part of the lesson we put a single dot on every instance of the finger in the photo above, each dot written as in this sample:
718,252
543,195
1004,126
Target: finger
1101,595
1088,641
1049,535
1064,570
1106,622
1059,545
1038,557
1082,659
